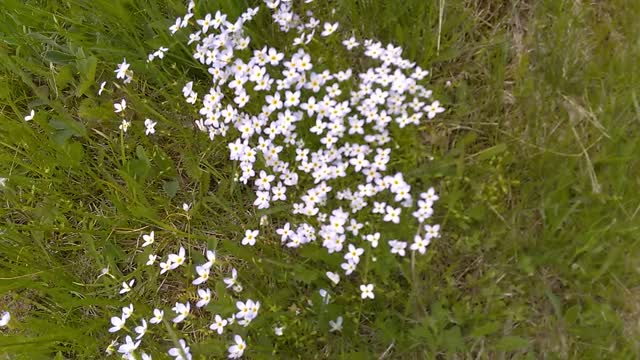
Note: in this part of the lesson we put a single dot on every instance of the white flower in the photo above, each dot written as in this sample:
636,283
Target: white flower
111,348
350,43
127,311
278,330
121,106
420,244
236,350
118,323
335,278
141,330
329,29
205,297
127,287
244,309
430,196
157,316
218,324
205,23
150,125
177,259
232,280
373,239
348,267
186,207
4,320
121,71
353,254
30,116
434,109
182,311
432,231
102,87
203,273
164,267
129,346
250,237
211,257
152,259
148,239
181,353
124,126
393,215
336,325
325,296
367,291
398,247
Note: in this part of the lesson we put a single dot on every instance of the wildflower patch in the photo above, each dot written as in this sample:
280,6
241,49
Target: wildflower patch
308,138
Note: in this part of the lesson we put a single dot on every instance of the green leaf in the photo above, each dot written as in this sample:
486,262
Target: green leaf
511,343
87,68
138,168
452,339
485,329
58,57
305,275
75,152
142,154
171,187
489,153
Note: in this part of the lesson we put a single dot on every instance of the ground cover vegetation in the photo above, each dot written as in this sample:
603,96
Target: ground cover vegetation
319,179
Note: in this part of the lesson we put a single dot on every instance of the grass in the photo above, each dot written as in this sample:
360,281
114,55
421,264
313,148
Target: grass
535,160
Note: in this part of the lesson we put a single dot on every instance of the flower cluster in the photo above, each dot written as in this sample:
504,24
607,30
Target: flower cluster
292,99
298,130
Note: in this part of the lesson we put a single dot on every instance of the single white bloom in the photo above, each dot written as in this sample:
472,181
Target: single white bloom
121,106
177,259
336,325
335,278
118,323
329,29
218,324
367,291
250,237
148,239
152,259
150,126
124,126
102,87
4,320
127,287
232,280
434,109
129,346
236,350
112,347
205,297
182,311
127,311
278,330
178,353
121,71
141,330
203,272
157,316
324,294
30,116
